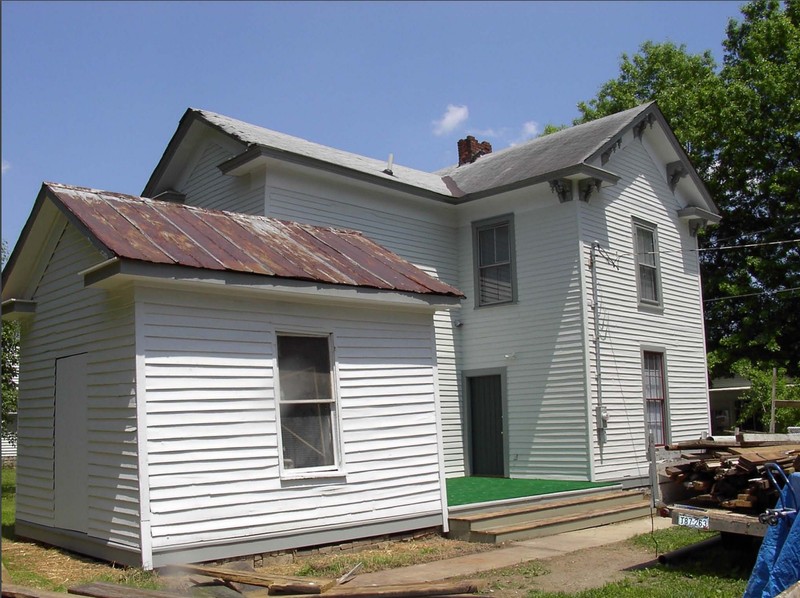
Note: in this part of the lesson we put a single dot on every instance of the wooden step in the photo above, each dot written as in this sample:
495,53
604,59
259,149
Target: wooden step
562,523
461,526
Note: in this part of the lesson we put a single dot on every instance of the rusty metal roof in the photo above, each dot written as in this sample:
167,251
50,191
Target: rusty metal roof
160,232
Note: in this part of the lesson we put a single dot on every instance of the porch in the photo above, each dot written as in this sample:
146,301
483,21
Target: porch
497,510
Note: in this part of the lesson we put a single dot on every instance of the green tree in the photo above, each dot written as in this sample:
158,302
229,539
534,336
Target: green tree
550,128
757,400
686,87
9,368
752,313
740,126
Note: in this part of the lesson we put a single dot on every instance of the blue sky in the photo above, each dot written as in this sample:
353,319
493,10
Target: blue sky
93,91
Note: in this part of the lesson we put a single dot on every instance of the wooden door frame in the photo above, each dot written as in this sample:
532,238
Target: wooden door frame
467,417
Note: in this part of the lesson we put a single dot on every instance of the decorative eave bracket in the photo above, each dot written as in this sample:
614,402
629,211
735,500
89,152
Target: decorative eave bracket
697,218
675,172
588,186
606,155
562,188
639,128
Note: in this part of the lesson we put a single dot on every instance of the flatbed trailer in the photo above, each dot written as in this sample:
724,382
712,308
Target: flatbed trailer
710,519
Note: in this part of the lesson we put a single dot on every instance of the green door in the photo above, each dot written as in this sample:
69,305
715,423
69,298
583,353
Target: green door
486,426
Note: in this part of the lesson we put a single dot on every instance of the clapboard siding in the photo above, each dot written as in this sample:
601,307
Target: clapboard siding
207,187
71,319
401,223
212,433
546,394
677,330
420,231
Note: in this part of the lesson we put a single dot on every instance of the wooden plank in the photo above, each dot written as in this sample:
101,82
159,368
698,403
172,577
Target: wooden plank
11,590
101,589
410,590
759,439
790,404
749,457
312,585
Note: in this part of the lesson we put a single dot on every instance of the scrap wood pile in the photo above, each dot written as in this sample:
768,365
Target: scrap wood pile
279,585
732,474
233,583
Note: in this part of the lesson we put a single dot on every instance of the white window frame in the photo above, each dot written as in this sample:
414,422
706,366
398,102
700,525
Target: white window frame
649,262
506,220
663,400
334,469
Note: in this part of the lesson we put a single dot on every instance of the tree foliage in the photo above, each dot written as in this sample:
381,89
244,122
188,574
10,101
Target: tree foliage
10,369
757,400
757,185
740,126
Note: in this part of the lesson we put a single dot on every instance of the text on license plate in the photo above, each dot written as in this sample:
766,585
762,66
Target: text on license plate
694,521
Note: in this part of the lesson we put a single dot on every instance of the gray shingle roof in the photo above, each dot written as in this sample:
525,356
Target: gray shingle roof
259,136
541,156
534,159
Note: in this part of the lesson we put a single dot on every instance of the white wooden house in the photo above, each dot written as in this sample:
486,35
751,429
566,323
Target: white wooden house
581,334
532,383
197,385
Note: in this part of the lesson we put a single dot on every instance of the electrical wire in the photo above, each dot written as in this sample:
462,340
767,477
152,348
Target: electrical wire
751,295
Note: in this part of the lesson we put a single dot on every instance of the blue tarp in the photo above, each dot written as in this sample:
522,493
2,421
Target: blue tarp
778,563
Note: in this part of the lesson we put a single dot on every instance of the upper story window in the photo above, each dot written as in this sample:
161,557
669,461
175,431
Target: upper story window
307,403
648,276
493,251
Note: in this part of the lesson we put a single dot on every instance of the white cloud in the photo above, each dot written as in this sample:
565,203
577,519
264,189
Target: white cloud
6,166
490,132
452,118
530,129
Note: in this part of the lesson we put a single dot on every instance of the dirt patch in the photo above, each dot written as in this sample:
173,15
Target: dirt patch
43,567
569,573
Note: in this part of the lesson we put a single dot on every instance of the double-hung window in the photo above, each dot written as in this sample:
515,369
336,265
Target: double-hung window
493,242
648,277
655,396
307,402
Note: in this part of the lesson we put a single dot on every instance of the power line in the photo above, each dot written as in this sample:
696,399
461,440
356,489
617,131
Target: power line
705,249
751,295
746,246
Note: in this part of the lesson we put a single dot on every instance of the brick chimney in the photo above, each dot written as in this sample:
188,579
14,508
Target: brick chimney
470,149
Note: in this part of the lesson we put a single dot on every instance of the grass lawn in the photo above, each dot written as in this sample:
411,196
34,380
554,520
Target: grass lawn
46,568
466,491
9,486
721,571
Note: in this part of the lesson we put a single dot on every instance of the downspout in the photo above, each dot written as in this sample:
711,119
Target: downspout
601,415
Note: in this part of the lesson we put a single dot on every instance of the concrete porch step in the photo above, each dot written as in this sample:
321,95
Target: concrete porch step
548,518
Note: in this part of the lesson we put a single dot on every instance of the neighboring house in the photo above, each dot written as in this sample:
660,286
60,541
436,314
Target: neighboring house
581,335
8,450
724,400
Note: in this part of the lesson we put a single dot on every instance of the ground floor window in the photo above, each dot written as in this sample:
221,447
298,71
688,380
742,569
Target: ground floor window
307,401
655,396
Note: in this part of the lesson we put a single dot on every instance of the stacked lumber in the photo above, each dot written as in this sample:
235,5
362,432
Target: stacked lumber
729,475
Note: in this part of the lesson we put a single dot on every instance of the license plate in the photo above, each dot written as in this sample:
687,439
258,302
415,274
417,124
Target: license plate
693,521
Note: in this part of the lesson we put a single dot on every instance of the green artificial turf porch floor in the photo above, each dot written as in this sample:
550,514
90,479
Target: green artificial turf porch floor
465,491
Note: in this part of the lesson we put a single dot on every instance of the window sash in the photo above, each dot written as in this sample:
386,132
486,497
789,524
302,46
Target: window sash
655,396
495,268
647,264
307,404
